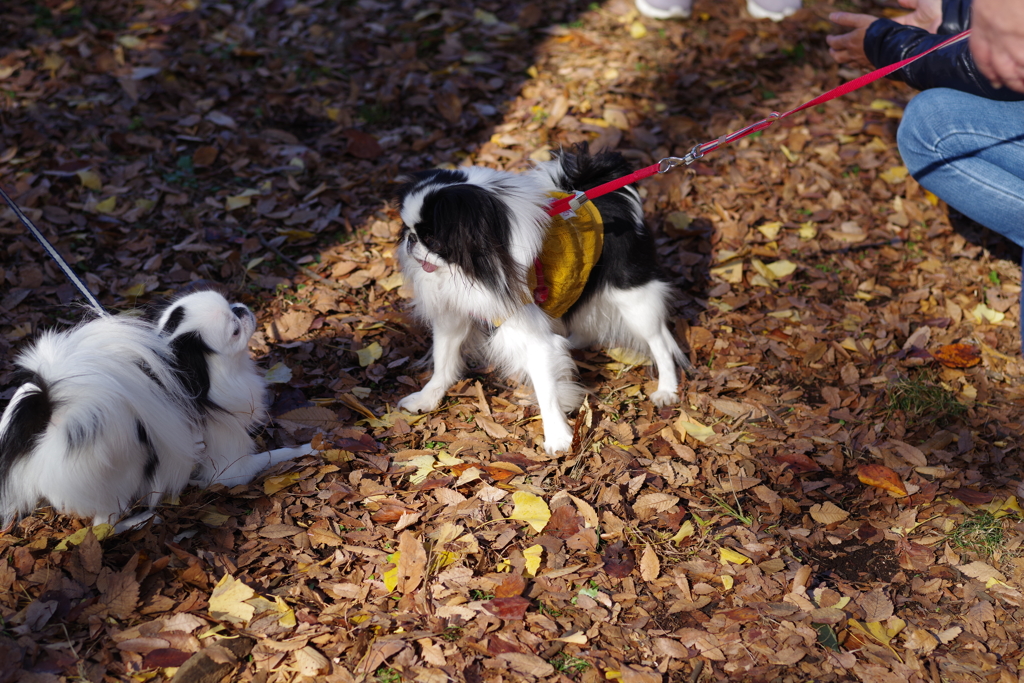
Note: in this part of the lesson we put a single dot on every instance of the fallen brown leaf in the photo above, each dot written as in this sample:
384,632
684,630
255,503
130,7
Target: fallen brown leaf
880,476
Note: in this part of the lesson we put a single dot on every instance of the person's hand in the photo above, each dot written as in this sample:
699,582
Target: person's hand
997,41
926,14
848,48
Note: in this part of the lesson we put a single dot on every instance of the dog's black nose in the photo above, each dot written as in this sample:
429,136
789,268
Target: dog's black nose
240,310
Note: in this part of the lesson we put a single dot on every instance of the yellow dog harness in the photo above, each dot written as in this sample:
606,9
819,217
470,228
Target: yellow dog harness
571,248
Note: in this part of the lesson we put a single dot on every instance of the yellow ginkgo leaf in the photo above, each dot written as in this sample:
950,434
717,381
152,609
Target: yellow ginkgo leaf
686,425
424,465
107,205
100,531
443,458
237,202
277,606
279,373
213,518
295,235
883,633
808,231
983,314
228,601
393,281
727,581
391,575
781,269
730,272
1001,508
369,353
761,269
789,155
90,179
441,559
530,509
637,30
628,356
895,175
532,556
287,618
685,531
272,485
770,230
728,555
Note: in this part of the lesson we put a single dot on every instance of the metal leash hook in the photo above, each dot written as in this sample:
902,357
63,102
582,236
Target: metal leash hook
668,163
698,151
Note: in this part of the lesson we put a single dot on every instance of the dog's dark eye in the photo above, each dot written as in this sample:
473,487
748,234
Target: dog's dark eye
411,236
432,244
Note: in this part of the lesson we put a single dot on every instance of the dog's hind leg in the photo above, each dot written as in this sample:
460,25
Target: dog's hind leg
525,344
644,312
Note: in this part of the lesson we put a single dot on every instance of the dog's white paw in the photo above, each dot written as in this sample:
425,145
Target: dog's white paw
557,442
663,398
420,402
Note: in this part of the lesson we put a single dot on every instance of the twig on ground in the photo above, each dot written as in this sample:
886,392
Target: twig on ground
305,271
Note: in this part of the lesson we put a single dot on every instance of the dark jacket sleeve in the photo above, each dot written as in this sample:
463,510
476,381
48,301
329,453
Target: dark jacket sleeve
887,42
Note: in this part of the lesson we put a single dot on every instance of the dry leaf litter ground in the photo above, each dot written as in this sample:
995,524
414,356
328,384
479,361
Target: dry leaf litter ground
833,499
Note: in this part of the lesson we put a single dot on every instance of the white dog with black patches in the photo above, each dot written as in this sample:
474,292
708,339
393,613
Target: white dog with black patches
490,270
120,410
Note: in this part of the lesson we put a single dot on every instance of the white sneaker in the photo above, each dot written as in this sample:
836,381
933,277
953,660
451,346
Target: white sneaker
664,9
776,10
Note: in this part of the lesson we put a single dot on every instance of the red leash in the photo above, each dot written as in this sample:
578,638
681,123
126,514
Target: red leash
572,203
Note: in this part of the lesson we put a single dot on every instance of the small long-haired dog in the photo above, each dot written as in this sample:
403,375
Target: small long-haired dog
119,410
486,261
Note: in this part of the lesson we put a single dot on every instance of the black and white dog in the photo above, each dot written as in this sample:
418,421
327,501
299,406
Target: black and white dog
120,410
485,262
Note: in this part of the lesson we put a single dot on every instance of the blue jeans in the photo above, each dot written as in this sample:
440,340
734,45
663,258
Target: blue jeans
969,151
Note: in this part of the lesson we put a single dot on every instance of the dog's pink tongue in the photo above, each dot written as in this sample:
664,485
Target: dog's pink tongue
429,267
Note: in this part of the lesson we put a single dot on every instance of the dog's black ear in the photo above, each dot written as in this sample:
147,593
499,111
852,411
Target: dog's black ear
173,320
190,363
28,419
472,228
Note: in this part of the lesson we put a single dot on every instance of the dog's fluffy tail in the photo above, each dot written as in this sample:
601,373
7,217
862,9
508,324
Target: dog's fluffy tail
101,422
577,169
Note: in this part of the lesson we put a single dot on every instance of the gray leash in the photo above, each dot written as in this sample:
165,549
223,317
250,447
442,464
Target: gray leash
55,255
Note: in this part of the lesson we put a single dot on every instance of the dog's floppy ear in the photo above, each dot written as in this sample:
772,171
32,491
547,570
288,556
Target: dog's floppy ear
474,228
190,362
174,319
